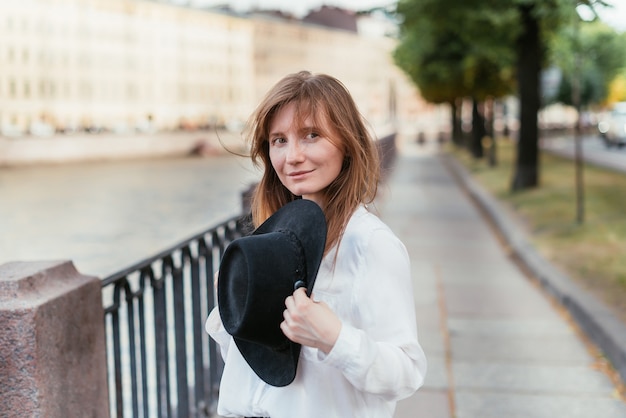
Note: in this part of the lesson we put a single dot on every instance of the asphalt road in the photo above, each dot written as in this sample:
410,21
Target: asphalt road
593,151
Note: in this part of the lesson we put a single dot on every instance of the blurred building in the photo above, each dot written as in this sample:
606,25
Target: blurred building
120,64
123,65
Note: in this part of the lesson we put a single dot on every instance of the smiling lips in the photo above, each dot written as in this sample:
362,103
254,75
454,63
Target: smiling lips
297,174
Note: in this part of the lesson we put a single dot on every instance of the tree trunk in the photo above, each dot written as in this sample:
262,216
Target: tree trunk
528,69
490,113
457,134
478,131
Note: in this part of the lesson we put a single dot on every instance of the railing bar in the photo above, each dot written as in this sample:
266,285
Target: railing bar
117,354
197,330
130,308
213,354
142,345
208,375
182,383
160,334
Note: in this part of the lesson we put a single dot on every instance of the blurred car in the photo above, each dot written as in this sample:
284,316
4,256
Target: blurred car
41,129
613,127
10,130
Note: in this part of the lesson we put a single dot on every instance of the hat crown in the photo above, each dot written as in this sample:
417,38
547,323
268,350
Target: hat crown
254,294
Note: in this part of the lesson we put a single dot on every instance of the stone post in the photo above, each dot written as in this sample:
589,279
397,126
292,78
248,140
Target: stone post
52,343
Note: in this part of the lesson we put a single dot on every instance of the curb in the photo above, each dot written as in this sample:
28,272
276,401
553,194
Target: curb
600,325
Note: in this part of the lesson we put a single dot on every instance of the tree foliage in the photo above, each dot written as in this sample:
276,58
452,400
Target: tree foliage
456,48
477,48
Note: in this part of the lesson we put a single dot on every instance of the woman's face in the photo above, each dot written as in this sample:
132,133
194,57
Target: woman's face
305,161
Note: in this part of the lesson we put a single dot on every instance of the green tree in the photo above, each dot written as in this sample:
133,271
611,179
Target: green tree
490,32
451,50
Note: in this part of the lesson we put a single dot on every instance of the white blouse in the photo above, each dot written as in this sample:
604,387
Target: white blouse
377,359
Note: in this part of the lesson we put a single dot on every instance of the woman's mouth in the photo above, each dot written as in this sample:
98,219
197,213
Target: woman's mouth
298,174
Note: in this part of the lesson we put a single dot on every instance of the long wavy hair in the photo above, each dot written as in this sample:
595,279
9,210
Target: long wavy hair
335,116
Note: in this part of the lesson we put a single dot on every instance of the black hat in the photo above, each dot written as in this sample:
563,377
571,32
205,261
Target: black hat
257,273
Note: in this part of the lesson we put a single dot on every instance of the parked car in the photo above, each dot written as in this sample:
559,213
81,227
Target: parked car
613,127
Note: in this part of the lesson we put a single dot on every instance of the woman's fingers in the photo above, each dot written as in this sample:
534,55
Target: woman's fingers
310,323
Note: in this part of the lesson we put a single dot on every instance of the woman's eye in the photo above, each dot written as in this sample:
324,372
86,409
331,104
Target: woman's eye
312,135
278,140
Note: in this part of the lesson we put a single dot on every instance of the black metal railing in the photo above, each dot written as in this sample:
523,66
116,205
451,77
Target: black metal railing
161,363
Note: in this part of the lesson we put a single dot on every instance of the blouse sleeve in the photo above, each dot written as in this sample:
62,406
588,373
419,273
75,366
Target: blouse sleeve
383,357
216,330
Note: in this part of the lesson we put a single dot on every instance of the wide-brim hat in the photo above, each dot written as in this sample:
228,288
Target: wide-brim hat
257,273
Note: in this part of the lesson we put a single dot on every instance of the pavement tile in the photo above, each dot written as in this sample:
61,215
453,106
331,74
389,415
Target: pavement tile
428,318
437,376
527,328
496,271
555,350
546,379
501,300
441,254
496,404
432,343
425,403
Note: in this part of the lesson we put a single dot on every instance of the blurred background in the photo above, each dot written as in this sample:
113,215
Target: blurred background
90,89
143,66
102,102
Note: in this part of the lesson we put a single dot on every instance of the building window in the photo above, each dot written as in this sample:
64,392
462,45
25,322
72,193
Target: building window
12,89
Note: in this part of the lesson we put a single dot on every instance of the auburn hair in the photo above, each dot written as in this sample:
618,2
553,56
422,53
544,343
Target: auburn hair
336,117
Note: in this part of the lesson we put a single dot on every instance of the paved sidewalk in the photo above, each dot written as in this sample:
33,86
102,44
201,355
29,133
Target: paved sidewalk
496,345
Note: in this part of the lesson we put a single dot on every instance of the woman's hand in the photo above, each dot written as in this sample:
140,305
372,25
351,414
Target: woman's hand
310,323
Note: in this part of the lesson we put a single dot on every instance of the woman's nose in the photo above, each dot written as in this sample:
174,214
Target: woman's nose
294,152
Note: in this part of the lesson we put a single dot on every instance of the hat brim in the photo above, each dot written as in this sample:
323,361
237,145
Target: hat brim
304,219
274,367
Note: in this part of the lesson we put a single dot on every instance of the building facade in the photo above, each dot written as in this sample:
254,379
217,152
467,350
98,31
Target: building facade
125,65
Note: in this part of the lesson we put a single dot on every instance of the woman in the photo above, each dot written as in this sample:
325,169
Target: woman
360,352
